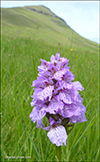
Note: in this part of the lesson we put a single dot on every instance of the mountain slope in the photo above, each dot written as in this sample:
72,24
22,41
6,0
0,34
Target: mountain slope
38,22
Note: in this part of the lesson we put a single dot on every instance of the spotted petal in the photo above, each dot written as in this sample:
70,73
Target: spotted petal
46,92
78,86
54,106
37,114
58,135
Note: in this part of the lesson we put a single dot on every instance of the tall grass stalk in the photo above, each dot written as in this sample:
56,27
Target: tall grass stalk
58,153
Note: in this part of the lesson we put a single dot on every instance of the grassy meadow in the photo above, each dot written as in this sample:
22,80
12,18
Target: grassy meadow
26,37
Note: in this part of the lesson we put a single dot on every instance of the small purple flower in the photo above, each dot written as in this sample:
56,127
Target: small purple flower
57,98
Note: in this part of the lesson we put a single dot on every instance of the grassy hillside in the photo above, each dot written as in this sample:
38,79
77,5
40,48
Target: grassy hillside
28,36
39,23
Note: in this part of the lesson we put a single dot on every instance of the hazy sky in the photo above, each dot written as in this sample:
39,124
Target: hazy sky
82,16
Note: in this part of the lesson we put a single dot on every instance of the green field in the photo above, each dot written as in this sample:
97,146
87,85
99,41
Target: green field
27,36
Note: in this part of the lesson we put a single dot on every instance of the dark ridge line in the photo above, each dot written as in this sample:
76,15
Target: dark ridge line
45,13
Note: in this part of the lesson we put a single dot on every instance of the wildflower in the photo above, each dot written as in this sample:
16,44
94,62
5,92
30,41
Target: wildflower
71,49
57,98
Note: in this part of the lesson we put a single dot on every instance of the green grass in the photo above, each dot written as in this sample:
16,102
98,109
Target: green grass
20,54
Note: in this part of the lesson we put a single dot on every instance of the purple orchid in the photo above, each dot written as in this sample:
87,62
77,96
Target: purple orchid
57,98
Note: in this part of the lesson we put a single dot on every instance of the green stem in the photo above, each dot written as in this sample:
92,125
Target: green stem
71,39
58,153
